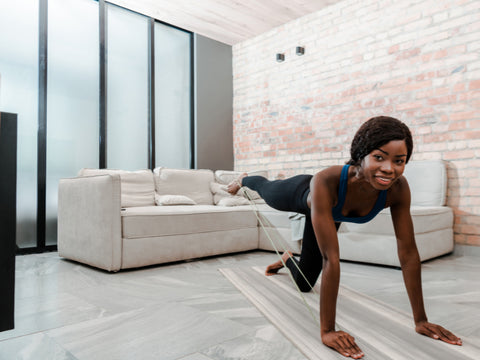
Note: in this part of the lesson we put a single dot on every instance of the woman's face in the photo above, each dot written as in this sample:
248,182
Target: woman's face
383,166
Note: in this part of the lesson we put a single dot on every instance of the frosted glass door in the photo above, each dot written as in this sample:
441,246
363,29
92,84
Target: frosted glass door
72,96
172,97
19,94
127,89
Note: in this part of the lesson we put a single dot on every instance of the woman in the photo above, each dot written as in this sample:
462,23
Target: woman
371,181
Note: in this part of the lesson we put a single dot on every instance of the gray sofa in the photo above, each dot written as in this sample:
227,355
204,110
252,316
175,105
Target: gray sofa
114,219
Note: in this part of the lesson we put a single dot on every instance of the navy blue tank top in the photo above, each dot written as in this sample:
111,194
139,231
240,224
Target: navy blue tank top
342,192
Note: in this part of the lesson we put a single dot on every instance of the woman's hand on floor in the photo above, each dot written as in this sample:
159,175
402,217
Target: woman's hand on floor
437,332
342,342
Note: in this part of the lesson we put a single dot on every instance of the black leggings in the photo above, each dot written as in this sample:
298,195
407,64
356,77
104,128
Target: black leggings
291,195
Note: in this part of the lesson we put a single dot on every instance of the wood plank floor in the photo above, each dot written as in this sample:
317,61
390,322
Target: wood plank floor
382,331
190,311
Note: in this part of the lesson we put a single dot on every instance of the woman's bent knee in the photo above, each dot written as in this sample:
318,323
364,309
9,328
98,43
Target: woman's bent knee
304,286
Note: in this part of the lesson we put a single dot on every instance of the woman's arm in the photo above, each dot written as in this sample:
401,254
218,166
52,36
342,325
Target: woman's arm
410,263
326,234
407,249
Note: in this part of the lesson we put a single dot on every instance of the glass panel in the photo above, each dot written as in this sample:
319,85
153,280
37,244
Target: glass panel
127,90
72,97
19,94
172,97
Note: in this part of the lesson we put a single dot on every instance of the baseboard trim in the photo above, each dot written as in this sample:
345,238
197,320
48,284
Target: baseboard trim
470,250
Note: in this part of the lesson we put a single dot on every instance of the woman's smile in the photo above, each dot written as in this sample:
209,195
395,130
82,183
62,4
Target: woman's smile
384,180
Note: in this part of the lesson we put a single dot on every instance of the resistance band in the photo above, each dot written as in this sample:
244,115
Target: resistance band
257,212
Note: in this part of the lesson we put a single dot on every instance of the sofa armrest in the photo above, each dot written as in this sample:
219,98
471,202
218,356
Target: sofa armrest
89,221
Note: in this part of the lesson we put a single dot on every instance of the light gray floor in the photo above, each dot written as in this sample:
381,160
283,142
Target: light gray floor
189,311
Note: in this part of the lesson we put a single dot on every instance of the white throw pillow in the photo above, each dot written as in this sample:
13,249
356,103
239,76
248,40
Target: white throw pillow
162,200
219,191
222,197
233,201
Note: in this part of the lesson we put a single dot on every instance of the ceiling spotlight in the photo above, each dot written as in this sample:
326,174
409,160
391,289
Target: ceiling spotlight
300,50
280,57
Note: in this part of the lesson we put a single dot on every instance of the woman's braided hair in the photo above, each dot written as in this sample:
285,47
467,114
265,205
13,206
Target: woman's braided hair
377,132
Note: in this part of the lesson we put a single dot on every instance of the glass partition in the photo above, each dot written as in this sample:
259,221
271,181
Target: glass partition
172,97
19,94
72,131
72,96
127,89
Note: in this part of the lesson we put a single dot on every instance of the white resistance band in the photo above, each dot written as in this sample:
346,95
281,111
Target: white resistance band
257,212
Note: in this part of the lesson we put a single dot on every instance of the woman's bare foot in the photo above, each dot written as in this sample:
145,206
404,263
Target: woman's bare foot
272,269
235,185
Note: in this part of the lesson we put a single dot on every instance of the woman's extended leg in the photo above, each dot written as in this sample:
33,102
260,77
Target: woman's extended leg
284,195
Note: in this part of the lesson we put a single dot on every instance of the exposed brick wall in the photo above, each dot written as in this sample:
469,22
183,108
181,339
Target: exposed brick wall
417,60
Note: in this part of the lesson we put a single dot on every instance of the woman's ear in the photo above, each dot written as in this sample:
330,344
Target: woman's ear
359,169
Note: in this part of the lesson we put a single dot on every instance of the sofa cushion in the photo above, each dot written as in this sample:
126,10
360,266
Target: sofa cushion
382,249
153,221
425,219
273,218
194,184
96,172
137,187
277,228
428,182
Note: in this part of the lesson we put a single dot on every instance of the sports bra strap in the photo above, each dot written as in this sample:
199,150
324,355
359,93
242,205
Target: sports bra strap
342,193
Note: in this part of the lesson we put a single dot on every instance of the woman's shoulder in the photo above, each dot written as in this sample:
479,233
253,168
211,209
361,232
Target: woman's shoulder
399,192
400,185
324,187
328,177
333,171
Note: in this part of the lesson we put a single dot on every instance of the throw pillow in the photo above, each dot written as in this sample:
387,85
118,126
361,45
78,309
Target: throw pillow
222,197
233,201
161,200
